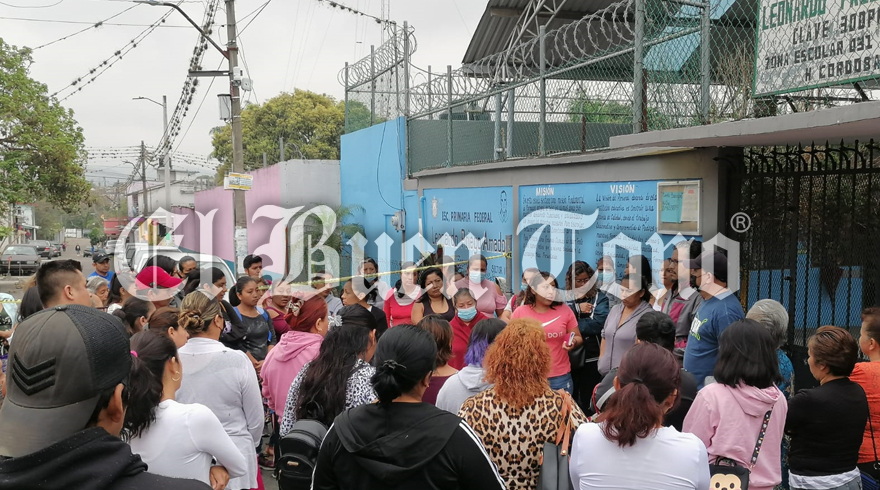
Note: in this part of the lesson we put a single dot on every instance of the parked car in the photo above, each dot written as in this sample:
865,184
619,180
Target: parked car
110,246
17,259
205,261
44,248
56,249
87,252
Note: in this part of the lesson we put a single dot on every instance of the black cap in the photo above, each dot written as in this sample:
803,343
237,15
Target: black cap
61,361
716,260
100,257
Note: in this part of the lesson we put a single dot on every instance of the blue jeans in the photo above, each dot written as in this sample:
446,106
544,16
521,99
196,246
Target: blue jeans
561,382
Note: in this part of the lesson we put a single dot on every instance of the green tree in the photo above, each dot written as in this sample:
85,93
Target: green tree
41,145
359,116
310,124
96,235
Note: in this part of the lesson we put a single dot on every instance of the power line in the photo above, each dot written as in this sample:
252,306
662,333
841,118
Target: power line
84,22
93,26
255,16
107,64
31,6
199,108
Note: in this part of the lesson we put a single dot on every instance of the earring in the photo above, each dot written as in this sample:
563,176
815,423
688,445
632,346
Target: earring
177,378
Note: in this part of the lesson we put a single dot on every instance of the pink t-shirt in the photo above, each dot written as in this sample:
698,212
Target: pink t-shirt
488,299
557,323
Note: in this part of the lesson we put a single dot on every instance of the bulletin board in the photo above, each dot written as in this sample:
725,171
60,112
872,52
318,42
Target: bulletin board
679,207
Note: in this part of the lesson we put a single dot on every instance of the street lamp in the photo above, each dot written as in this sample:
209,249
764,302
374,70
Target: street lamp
165,159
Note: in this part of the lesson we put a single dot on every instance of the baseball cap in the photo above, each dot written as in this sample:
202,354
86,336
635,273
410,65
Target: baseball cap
155,277
62,360
100,257
716,260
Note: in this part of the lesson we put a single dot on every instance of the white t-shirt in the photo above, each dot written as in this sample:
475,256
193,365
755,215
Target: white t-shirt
665,460
184,440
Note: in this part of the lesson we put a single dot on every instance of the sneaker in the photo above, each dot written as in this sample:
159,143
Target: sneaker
266,462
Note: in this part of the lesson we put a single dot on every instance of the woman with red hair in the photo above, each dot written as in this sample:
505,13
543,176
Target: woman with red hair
308,325
520,412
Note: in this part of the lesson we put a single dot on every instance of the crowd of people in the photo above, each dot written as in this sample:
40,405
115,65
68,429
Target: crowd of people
174,378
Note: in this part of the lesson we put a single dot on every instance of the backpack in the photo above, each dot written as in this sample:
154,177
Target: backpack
299,454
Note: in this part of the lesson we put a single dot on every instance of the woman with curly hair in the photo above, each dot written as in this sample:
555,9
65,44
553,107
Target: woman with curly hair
520,413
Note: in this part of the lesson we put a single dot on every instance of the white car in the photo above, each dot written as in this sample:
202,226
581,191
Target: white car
141,256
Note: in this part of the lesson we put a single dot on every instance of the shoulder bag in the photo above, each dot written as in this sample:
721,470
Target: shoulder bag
726,473
554,458
868,481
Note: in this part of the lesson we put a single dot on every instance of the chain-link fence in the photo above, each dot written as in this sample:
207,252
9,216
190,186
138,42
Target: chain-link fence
376,86
634,66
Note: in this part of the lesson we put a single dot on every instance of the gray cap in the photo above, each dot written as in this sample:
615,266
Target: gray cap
61,361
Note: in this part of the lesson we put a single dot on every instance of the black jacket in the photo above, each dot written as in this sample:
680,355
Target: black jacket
675,417
88,460
404,446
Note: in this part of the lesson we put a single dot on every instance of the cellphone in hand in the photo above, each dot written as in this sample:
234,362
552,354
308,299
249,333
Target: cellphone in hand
571,338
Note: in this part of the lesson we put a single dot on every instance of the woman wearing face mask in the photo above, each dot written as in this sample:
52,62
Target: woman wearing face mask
489,300
368,268
607,278
358,291
560,327
222,379
519,298
399,302
619,332
255,322
432,301
134,314
466,316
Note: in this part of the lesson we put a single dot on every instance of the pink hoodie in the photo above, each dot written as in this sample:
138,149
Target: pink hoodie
284,362
728,421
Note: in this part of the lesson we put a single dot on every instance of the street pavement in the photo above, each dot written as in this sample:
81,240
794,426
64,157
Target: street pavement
14,285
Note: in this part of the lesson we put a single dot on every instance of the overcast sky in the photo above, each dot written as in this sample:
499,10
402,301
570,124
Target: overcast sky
299,44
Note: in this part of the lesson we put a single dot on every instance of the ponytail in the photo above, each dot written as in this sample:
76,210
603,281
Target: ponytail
648,375
150,352
404,357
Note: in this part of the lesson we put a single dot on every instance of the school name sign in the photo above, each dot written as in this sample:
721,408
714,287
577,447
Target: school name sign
805,44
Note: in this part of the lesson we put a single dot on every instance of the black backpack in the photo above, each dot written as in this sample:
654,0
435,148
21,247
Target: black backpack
299,453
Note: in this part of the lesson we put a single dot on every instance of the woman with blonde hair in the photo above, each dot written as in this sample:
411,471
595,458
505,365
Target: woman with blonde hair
222,379
504,416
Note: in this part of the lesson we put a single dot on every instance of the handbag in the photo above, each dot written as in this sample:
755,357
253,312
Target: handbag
726,473
868,481
554,458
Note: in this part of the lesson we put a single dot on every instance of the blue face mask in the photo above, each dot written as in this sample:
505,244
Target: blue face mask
467,314
476,277
607,277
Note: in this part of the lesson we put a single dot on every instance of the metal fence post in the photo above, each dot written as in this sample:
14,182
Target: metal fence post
497,140
511,111
705,62
372,85
449,115
345,124
638,67
542,124
508,262
430,96
406,69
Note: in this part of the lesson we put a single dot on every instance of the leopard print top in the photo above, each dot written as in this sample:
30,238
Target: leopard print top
515,438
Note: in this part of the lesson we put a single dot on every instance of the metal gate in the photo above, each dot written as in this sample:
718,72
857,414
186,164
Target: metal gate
813,243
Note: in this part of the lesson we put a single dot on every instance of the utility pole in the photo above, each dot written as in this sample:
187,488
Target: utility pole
143,162
235,81
239,205
169,220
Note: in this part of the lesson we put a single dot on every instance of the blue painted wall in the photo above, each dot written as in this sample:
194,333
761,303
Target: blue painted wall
372,170
624,207
486,212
